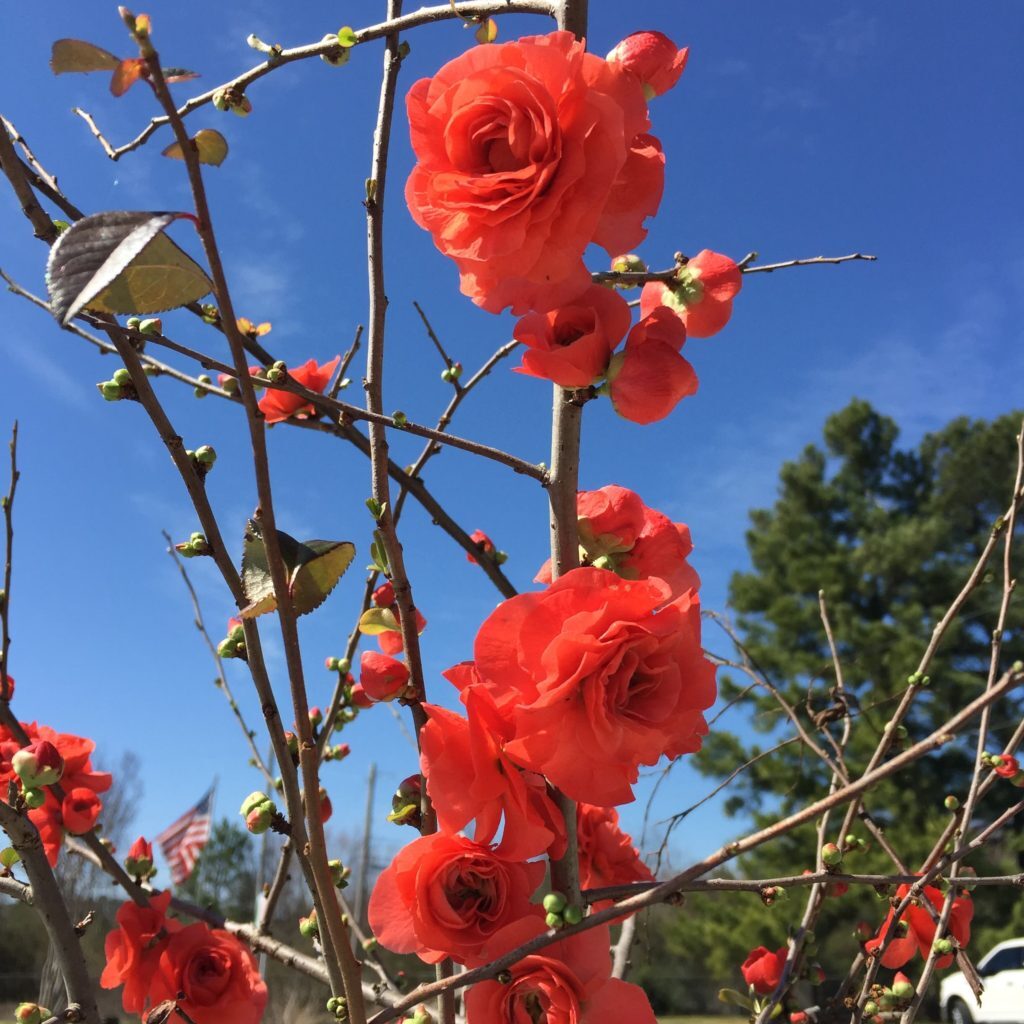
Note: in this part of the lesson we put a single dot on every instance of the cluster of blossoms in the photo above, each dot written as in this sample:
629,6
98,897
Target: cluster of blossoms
576,685
49,758
528,152
207,971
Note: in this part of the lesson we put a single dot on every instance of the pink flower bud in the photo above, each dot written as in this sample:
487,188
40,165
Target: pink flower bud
384,596
139,862
326,810
31,1013
1006,768
38,764
653,58
360,698
381,676
80,810
902,986
258,820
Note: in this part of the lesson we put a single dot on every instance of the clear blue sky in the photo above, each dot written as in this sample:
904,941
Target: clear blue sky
799,129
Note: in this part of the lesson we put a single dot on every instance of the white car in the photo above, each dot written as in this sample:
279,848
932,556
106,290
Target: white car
1002,972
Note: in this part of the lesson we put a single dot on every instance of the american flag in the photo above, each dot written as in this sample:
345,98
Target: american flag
182,841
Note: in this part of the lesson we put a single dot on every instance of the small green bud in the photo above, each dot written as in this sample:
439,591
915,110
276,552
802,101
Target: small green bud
870,1008
151,325
253,800
111,390
902,987
951,803
399,418
132,323
122,376
553,920
337,55
943,946
308,926
554,903
572,914
831,855
205,455
850,840
275,376
500,557
34,798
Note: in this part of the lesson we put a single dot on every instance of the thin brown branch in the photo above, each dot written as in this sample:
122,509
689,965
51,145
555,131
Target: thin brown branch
432,334
5,594
14,170
474,9
768,268
48,902
335,933
346,362
222,679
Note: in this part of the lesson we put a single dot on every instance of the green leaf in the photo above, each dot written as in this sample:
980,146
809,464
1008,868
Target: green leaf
76,55
346,37
313,567
378,620
120,262
316,577
256,580
211,146
734,998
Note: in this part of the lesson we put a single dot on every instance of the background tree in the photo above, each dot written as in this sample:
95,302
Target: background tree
890,534
225,873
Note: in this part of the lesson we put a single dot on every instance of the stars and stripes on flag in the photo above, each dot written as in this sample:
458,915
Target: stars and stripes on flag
182,841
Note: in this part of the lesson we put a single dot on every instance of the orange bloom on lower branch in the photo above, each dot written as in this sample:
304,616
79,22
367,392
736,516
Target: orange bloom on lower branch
921,929
133,949
447,896
568,982
763,969
212,976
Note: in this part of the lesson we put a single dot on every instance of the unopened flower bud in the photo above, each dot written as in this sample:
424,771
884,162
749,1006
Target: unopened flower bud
38,764
227,648
629,263
572,914
34,798
870,1008
292,742
308,927
31,1013
259,811
553,920
951,803
554,903
943,946
132,323
110,390
316,717
339,873
205,455
139,862
151,325
405,804
831,855
121,376
902,986
331,664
